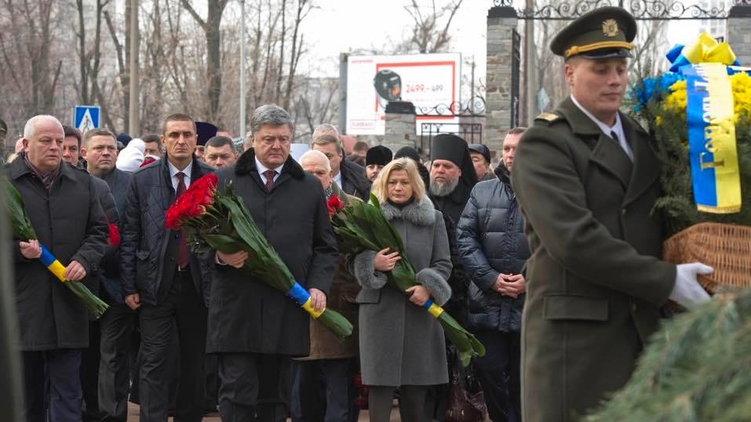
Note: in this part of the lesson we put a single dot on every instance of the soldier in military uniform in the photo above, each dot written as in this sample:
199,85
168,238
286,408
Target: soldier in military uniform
587,179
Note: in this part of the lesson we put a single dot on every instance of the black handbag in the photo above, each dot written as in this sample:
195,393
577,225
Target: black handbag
464,406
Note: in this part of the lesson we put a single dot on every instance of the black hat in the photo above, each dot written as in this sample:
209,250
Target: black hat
454,149
204,132
480,149
408,152
379,155
124,138
603,33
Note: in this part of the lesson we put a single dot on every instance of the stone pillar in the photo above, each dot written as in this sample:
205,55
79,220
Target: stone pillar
400,126
739,32
502,21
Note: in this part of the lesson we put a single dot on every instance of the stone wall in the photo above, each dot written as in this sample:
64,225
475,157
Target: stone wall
400,126
501,23
739,33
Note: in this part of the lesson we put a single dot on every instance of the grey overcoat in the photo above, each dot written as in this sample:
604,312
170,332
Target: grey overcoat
400,342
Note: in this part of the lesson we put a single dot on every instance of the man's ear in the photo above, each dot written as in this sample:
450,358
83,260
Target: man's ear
83,152
25,143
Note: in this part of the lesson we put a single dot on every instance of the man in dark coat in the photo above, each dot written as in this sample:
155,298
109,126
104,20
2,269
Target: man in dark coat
349,176
494,249
254,328
99,149
64,210
586,179
164,279
480,155
90,355
452,175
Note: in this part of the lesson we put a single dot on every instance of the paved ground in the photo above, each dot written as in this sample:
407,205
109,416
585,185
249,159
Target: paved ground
133,415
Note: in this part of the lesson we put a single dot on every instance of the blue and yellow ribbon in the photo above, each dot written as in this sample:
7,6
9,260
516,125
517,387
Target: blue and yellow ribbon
705,50
433,309
302,298
711,138
52,264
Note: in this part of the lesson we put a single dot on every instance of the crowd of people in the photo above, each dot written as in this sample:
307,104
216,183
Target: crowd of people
550,257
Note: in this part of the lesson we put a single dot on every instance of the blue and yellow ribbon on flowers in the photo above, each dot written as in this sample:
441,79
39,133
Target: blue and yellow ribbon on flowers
433,309
52,264
713,153
705,50
302,298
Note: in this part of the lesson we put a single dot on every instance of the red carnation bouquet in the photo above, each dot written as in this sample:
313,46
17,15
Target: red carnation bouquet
221,221
362,226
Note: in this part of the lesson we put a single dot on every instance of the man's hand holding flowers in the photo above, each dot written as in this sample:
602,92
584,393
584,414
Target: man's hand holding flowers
30,249
236,259
74,271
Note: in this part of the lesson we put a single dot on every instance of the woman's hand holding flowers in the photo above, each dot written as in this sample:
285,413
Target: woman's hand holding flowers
384,261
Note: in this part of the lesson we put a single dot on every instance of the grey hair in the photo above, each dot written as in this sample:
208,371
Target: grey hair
269,114
30,128
326,129
316,154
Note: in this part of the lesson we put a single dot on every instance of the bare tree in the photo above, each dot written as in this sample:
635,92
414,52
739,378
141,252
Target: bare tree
211,27
430,33
27,45
89,57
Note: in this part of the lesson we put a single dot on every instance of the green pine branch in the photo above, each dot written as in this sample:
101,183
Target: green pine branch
697,368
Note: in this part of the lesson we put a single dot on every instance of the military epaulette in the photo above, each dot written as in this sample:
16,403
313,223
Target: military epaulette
548,117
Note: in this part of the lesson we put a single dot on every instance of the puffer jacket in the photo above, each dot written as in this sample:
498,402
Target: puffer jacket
492,241
145,240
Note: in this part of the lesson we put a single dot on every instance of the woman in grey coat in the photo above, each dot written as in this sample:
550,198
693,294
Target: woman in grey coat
401,344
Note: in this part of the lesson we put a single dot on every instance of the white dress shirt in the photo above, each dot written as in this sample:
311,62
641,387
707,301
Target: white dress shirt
173,174
607,130
262,169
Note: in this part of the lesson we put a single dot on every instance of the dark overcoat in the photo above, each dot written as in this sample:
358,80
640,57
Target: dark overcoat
400,342
595,283
246,315
69,221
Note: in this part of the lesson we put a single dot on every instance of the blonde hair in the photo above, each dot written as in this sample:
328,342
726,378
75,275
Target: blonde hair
380,184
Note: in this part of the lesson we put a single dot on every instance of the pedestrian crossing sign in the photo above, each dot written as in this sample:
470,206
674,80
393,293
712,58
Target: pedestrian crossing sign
85,118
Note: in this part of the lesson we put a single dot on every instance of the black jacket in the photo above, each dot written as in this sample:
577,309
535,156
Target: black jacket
492,241
112,292
246,315
68,220
118,182
354,181
148,251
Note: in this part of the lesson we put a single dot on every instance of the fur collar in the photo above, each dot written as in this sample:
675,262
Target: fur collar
246,164
420,213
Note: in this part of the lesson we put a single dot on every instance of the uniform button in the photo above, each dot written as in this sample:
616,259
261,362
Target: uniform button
633,307
172,259
623,211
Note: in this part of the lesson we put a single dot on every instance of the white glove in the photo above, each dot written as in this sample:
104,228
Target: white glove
687,291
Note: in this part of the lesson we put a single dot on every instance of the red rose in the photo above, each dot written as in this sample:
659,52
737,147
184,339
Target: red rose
334,205
114,237
192,203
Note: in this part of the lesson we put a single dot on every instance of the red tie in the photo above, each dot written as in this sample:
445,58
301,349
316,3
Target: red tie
269,178
183,256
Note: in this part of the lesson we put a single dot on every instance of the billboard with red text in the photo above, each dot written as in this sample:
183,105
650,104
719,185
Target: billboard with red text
429,81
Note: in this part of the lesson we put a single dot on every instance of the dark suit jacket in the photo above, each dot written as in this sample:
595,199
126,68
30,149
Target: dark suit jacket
595,283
